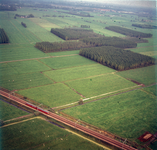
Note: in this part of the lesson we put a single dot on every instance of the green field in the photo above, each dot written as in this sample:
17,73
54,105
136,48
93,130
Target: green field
64,62
128,115
18,52
8,111
99,85
52,95
145,75
28,66
78,72
64,53
152,90
22,81
39,134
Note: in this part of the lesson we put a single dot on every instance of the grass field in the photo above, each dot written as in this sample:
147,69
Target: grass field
64,53
52,95
126,115
22,81
28,66
64,62
151,90
145,75
99,85
18,52
39,134
8,111
78,72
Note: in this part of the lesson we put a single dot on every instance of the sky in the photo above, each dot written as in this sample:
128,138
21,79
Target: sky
144,3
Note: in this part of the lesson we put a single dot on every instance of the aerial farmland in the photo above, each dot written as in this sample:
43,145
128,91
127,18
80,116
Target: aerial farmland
93,64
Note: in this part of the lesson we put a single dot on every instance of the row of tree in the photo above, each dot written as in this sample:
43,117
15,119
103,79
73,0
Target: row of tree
146,26
3,36
48,47
73,33
23,24
85,26
110,41
117,58
129,32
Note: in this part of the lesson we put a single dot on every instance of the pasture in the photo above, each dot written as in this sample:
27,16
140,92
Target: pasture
39,134
144,75
18,52
22,81
99,85
77,72
152,90
52,95
126,115
65,62
8,111
28,66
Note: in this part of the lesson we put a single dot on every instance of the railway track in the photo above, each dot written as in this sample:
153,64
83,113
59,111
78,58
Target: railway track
69,123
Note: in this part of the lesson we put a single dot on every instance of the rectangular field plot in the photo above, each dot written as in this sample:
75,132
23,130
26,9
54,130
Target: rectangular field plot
99,85
22,81
128,115
8,111
28,66
51,95
64,53
78,72
15,36
19,52
69,61
145,75
40,32
39,134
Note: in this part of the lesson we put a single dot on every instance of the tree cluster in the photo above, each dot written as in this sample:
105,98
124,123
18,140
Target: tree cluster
129,32
3,36
110,41
73,33
48,47
146,26
24,24
7,8
117,58
85,26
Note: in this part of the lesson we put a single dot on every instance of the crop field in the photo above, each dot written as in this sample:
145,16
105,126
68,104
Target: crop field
28,66
145,75
126,115
39,134
99,85
8,111
78,72
22,81
64,62
18,52
52,95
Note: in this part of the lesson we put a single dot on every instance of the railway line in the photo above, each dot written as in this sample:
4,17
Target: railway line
68,122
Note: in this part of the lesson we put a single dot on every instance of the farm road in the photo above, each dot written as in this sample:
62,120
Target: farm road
36,58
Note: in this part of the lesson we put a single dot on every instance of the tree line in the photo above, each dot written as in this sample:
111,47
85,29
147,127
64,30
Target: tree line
117,58
73,33
3,36
129,32
23,24
110,41
85,26
48,47
146,26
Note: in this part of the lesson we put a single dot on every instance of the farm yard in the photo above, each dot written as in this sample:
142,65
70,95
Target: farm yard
122,102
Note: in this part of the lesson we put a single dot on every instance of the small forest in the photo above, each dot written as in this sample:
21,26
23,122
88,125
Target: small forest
23,24
74,33
146,26
48,47
129,32
110,41
117,58
3,36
